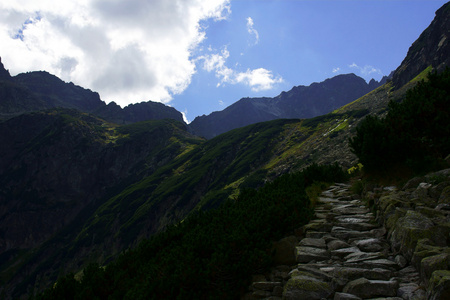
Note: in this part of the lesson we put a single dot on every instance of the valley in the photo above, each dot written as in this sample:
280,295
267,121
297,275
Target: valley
83,182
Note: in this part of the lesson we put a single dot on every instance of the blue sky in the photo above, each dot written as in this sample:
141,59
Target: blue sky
201,56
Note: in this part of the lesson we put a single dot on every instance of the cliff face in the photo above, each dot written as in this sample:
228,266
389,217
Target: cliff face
298,103
432,48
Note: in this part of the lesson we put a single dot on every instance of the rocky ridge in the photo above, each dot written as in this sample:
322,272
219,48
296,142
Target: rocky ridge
399,249
298,103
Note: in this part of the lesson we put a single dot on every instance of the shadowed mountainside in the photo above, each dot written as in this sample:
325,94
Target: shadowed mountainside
40,90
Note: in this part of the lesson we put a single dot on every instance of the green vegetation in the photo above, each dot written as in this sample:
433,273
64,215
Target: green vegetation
415,134
210,255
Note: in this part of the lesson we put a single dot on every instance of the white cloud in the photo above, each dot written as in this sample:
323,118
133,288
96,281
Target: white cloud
184,114
335,70
259,79
367,70
252,30
128,51
221,103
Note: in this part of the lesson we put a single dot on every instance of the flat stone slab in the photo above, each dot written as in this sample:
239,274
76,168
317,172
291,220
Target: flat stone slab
353,219
350,210
310,242
359,256
357,226
371,244
305,254
346,234
343,252
352,273
327,200
337,244
374,263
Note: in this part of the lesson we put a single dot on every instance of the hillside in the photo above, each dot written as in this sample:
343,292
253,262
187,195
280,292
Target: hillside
78,189
40,90
300,102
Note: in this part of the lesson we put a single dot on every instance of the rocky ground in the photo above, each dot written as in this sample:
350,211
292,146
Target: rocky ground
397,249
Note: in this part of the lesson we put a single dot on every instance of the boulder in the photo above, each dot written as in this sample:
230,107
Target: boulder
401,261
303,287
365,288
410,229
436,190
433,263
439,285
413,183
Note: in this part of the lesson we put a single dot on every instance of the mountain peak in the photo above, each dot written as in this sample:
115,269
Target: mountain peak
4,74
300,102
430,49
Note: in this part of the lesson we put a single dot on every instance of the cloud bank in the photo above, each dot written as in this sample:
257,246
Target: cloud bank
128,51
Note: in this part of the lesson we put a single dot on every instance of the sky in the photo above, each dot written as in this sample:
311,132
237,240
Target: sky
200,56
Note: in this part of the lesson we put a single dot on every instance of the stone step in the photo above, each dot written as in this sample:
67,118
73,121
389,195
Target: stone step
344,255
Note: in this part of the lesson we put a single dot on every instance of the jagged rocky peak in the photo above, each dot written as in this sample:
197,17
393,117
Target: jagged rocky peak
4,74
430,49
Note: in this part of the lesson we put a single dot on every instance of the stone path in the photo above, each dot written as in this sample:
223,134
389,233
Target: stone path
344,255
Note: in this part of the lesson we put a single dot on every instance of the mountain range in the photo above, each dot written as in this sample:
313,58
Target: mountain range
82,181
299,103
34,91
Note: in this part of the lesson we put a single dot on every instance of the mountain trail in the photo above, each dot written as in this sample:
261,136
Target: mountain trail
344,254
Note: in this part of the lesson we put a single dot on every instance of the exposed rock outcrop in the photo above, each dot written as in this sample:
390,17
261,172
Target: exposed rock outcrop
397,250
430,49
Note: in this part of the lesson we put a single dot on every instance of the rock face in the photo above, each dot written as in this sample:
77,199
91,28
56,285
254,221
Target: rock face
298,103
430,49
